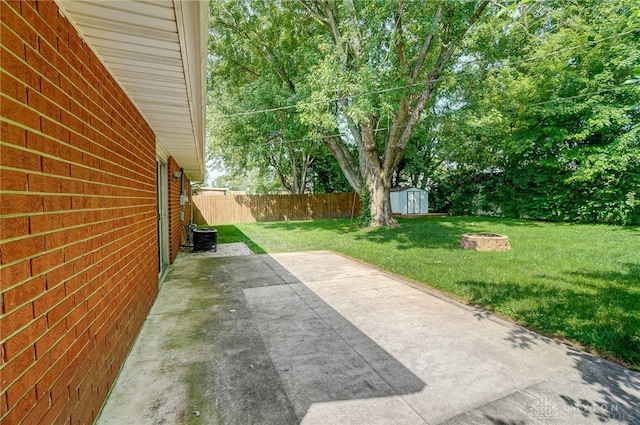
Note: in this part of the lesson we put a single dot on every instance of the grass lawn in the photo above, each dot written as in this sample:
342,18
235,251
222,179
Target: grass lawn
578,282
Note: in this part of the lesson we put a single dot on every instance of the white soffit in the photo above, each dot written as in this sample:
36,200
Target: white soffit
156,50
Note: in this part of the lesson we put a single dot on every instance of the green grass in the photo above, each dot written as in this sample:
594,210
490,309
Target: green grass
230,234
577,282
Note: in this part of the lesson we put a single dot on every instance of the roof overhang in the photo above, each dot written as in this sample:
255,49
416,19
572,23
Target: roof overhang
157,51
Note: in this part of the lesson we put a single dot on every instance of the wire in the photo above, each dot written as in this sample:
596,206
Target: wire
390,89
564,99
318,102
303,139
528,105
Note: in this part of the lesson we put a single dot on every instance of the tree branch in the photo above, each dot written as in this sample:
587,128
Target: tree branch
395,134
425,47
283,180
345,161
243,67
325,14
400,47
313,13
432,77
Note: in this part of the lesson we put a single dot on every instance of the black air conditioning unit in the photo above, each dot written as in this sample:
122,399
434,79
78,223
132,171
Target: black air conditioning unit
205,239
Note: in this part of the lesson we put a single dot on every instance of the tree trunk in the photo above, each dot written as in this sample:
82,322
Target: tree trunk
380,191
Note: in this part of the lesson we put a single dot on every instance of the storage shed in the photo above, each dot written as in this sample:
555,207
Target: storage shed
409,200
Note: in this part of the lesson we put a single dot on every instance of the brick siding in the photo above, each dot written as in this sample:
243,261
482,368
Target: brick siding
78,230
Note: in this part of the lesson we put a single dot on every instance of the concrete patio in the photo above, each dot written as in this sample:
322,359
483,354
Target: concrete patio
316,338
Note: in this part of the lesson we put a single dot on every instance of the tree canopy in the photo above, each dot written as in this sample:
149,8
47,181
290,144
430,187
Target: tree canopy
553,127
515,108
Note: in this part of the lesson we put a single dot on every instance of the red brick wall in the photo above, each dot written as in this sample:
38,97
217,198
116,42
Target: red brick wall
78,253
175,221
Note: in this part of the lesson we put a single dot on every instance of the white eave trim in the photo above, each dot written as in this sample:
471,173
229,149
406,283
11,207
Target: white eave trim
194,44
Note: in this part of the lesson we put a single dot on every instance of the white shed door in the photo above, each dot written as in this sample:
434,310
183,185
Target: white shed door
413,202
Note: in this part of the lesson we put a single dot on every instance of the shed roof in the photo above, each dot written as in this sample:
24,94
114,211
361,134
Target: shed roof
401,188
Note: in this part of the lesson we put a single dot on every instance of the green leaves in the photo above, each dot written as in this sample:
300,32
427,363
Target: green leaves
253,67
636,77
561,109
536,114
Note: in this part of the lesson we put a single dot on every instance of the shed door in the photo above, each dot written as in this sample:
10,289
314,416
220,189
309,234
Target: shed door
413,202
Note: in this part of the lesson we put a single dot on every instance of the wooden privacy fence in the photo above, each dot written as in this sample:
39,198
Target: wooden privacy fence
233,209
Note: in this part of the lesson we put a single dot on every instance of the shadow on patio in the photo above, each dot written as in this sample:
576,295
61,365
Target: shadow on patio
316,338
241,340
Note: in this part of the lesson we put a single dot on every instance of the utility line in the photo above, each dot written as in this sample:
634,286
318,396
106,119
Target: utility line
564,99
390,89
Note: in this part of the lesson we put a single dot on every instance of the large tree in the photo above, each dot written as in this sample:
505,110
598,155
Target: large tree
360,72
381,63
